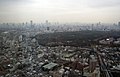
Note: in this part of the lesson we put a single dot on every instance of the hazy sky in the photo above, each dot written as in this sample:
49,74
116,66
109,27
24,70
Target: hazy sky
89,11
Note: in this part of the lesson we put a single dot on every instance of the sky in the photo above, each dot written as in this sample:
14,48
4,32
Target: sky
84,11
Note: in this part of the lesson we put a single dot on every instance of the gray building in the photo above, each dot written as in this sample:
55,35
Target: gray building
119,24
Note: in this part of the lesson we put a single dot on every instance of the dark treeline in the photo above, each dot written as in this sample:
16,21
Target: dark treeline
81,38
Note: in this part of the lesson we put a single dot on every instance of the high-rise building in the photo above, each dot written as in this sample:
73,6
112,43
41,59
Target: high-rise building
119,24
31,22
26,23
46,21
23,24
48,28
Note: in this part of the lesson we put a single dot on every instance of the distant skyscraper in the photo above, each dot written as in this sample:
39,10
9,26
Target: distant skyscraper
31,22
46,21
92,26
119,24
23,24
26,23
99,23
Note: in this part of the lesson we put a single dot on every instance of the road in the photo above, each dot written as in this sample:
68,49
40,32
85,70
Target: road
102,64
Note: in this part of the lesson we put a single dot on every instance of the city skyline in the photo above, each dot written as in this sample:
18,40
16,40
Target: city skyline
63,11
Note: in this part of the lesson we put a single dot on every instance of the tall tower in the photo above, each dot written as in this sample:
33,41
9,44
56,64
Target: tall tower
31,22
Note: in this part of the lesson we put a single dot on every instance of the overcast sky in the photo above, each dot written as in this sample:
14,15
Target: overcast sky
84,11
